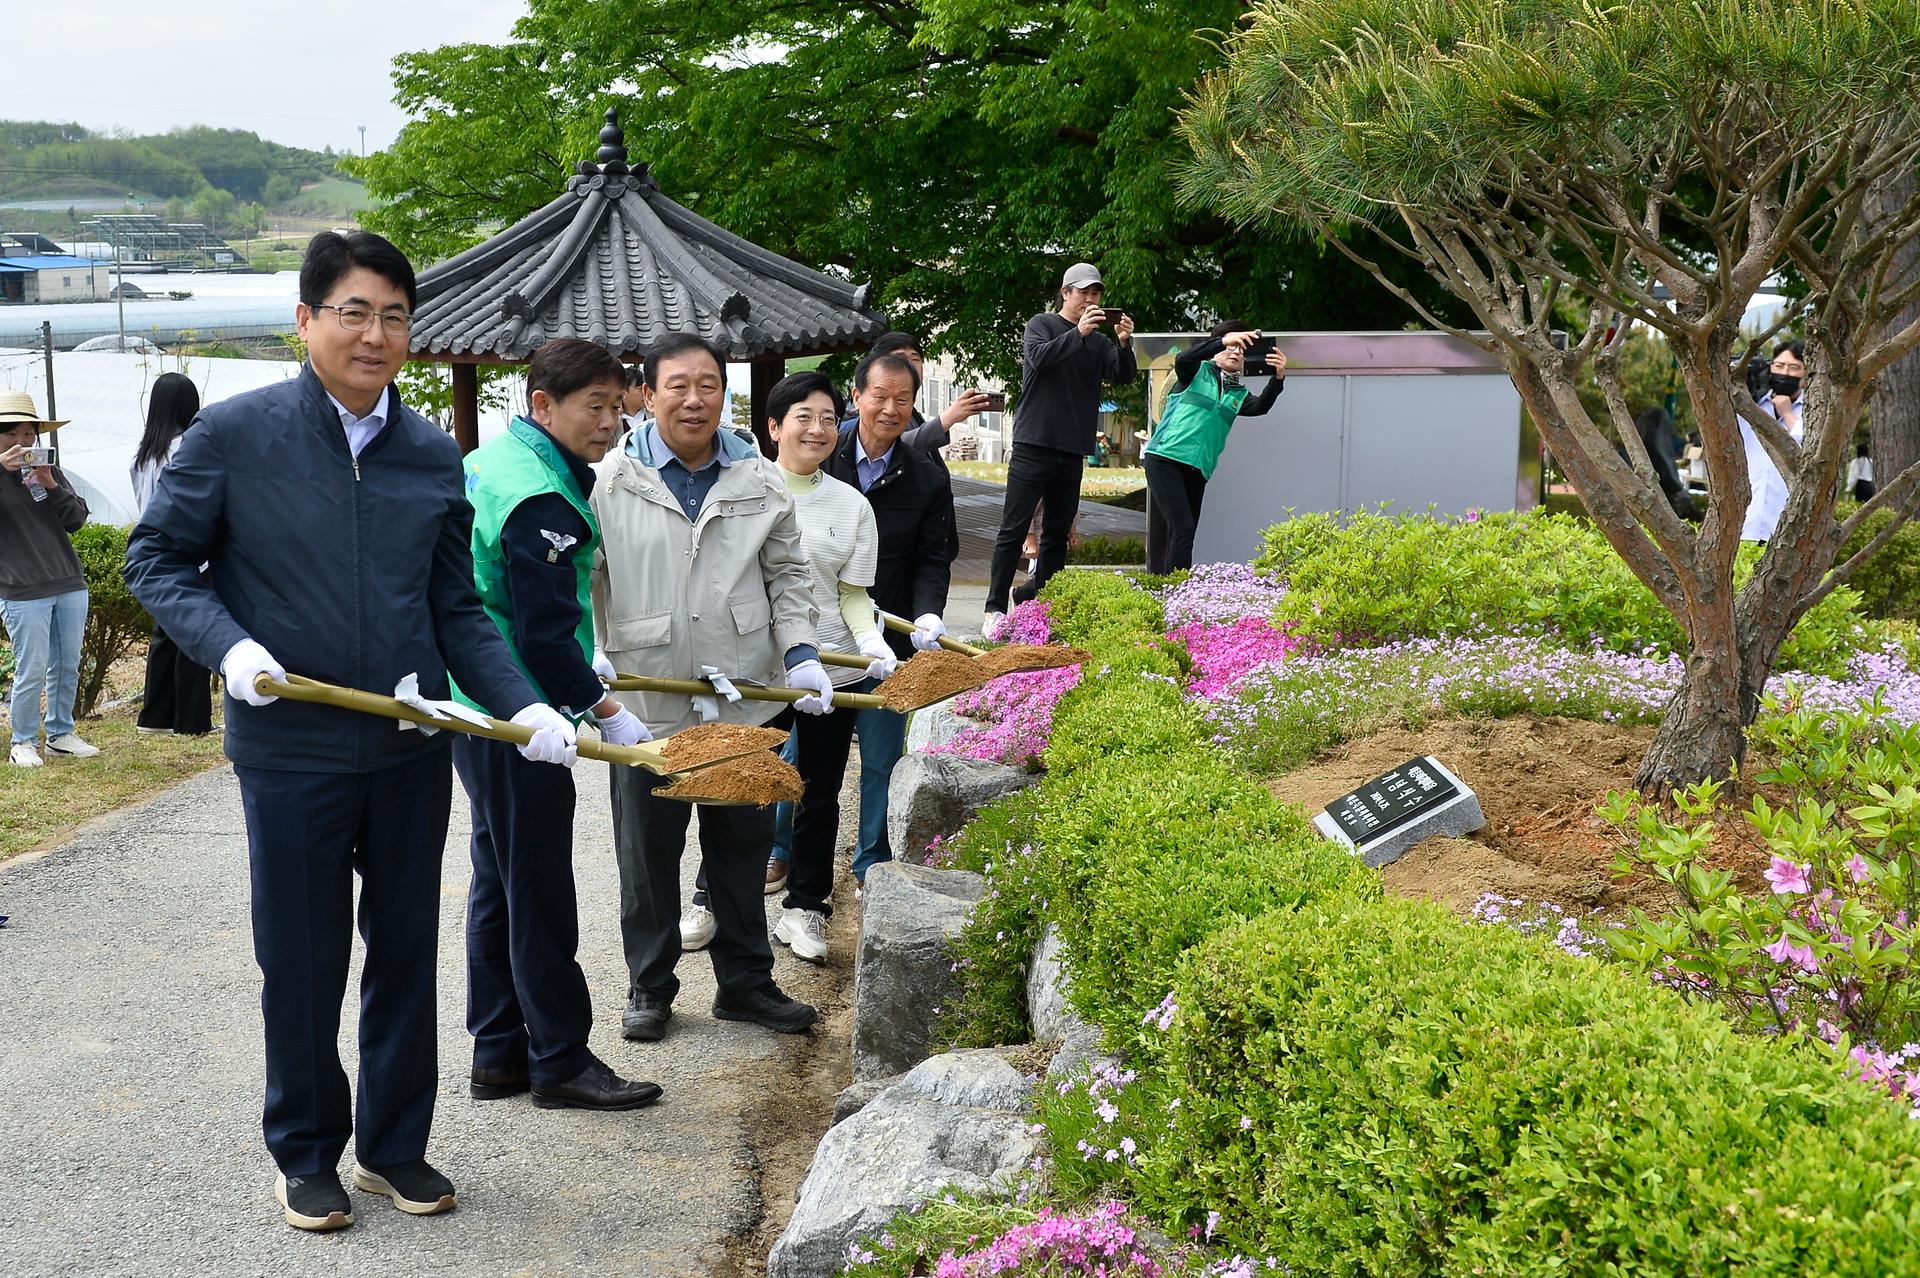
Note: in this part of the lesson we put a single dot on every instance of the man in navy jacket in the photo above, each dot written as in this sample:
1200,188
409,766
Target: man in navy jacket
335,528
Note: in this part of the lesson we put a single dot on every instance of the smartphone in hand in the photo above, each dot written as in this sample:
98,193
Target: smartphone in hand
1257,352
996,401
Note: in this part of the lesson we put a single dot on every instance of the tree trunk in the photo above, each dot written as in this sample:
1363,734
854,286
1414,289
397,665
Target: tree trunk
1895,409
1704,732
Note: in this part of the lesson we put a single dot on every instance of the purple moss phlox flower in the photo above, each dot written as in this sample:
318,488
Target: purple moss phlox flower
1217,594
1858,869
1787,877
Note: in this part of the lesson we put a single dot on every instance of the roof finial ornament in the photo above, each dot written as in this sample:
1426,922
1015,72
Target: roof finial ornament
613,146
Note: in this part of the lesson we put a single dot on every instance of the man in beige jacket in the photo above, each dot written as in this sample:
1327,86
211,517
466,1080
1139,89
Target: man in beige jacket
701,567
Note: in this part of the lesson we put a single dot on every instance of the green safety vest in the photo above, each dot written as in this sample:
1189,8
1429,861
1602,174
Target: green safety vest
520,464
1193,427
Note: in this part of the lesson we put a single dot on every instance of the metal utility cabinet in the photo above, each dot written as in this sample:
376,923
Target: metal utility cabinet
1414,419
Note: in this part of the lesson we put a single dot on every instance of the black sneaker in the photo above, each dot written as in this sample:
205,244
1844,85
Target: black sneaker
765,1006
597,1087
415,1188
497,1084
314,1202
646,1017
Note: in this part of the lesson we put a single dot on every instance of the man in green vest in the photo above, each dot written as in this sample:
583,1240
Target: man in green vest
534,536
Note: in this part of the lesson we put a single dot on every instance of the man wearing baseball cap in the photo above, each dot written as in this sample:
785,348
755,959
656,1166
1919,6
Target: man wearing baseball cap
43,592
1064,359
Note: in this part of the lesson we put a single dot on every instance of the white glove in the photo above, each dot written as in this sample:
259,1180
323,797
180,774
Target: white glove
622,727
884,662
603,667
553,736
813,676
245,662
927,629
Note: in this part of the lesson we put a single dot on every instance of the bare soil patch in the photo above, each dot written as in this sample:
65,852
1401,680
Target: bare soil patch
1538,781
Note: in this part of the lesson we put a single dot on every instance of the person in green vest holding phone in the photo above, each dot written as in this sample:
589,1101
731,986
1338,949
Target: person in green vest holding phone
1186,445
534,537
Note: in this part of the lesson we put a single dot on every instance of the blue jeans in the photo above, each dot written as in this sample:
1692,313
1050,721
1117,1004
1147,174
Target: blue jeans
883,739
45,634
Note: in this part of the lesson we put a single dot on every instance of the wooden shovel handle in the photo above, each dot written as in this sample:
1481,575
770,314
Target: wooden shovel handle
300,688
905,627
749,692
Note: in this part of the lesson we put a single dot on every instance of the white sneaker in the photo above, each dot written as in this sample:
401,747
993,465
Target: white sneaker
25,756
697,927
68,743
804,932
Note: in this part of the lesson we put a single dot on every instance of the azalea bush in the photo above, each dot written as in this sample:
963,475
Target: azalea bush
1828,949
1368,577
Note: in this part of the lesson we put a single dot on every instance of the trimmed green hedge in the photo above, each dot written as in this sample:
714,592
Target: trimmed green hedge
1429,1099
1889,583
1365,1085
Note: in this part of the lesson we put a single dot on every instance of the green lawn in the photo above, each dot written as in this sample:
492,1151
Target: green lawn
1096,483
335,197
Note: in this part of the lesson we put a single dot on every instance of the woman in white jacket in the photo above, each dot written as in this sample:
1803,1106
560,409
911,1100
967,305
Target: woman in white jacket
843,548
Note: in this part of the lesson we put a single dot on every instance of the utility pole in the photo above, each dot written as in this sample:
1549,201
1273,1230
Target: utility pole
53,407
119,290
363,141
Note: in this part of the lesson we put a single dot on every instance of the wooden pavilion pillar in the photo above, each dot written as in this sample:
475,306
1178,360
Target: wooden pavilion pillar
766,374
466,407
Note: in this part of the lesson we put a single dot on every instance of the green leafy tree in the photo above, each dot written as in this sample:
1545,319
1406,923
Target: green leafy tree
1646,164
955,153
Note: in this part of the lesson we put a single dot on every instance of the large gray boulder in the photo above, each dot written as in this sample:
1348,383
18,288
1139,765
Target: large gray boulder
954,1120
1076,1042
935,725
910,917
933,795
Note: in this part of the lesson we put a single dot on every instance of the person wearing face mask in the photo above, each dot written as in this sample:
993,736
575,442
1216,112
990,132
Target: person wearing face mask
843,545
1184,449
701,565
534,536
1785,402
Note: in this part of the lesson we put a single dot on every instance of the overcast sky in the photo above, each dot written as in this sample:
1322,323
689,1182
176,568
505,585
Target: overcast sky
303,75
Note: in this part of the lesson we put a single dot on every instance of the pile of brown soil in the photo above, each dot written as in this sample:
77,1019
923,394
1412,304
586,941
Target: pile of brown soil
754,779
708,742
929,677
1013,657
1538,781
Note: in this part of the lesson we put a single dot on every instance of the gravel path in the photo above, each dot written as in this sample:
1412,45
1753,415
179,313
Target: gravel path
130,1080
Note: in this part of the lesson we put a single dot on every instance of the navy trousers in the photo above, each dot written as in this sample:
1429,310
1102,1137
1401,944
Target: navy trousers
307,835
527,1001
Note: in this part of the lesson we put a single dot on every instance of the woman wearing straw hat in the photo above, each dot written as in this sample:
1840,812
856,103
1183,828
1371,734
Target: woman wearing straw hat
43,593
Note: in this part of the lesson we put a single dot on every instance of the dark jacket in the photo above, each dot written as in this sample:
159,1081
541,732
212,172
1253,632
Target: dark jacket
1060,376
355,572
929,435
913,512
37,559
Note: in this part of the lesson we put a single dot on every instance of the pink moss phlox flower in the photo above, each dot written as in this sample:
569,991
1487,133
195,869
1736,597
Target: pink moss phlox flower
1787,877
1090,1242
1858,869
1224,654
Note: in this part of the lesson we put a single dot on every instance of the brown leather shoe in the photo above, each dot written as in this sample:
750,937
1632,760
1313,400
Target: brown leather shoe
776,875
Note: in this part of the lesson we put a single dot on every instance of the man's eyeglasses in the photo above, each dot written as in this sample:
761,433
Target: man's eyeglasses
358,319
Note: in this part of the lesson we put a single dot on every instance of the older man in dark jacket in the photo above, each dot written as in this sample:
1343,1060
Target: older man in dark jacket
912,500
335,528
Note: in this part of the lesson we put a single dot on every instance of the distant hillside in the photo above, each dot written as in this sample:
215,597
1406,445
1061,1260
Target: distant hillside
212,174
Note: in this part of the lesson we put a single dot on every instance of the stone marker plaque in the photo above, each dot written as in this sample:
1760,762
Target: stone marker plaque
1416,801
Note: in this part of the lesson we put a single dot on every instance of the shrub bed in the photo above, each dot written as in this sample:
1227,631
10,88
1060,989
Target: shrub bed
1351,1084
